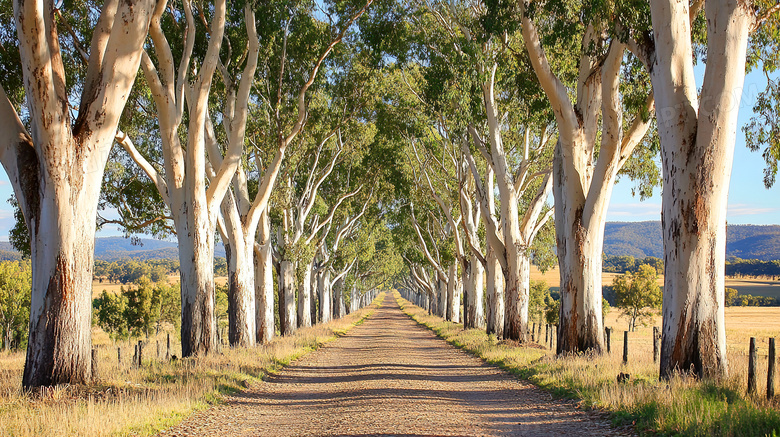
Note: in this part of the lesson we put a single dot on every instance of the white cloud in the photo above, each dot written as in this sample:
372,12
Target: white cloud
741,209
636,210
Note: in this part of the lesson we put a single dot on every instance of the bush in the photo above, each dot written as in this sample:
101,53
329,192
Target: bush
638,294
15,290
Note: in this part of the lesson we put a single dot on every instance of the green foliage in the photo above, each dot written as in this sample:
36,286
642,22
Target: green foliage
730,296
752,267
110,314
537,302
15,284
136,310
221,305
552,310
627,263
19,235
763,129
129,271
637,294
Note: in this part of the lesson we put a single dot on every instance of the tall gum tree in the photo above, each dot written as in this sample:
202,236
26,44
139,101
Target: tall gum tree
250,303
583,174
194,204
56,170
697,131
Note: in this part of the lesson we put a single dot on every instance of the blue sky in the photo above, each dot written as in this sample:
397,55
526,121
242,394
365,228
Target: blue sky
749,201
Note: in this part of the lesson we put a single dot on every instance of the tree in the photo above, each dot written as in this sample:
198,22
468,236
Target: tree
638,294
697,130
110,314
15,280
194,203
594,143
730,296
56,169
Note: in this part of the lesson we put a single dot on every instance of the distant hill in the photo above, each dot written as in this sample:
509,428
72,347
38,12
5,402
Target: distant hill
641,239
116,248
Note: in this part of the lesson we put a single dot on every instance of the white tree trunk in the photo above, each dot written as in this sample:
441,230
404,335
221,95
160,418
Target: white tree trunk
338,298
697,147
241,295
454,291
304,297
580,247
287,315
441,291
477,293
495,295
195,236
62,247
326,300
56,172
264,283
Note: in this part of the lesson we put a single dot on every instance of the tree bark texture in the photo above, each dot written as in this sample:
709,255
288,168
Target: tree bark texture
697,149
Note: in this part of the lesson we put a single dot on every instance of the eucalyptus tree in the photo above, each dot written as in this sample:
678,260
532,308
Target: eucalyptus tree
55,157
302,180
181,181
283,90
697,130
594,141
221,137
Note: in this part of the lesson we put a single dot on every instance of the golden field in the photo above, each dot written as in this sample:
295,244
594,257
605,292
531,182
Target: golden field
755,287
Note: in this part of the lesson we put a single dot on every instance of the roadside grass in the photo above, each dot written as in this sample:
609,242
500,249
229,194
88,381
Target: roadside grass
680,407
125,400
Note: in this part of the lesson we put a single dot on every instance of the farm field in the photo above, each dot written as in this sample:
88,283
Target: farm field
754,287
114,287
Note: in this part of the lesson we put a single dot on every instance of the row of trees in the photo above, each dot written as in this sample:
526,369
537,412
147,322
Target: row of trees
252,123
323,142
520,98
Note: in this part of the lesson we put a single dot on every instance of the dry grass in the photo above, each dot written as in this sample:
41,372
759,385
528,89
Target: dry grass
129,401
680,407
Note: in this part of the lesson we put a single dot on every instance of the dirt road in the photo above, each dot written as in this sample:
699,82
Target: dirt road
390,376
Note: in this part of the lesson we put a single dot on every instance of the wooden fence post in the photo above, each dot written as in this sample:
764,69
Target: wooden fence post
609,339
533,332
140,352
625,347
752,358
656,343
770,371
119,355
546,333
135,355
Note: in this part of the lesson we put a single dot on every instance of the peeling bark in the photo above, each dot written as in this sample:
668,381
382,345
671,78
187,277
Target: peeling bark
697,149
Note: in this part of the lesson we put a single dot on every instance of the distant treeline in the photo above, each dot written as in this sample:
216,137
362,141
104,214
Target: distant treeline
130,271
735,267
753,268
626,263
733,298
